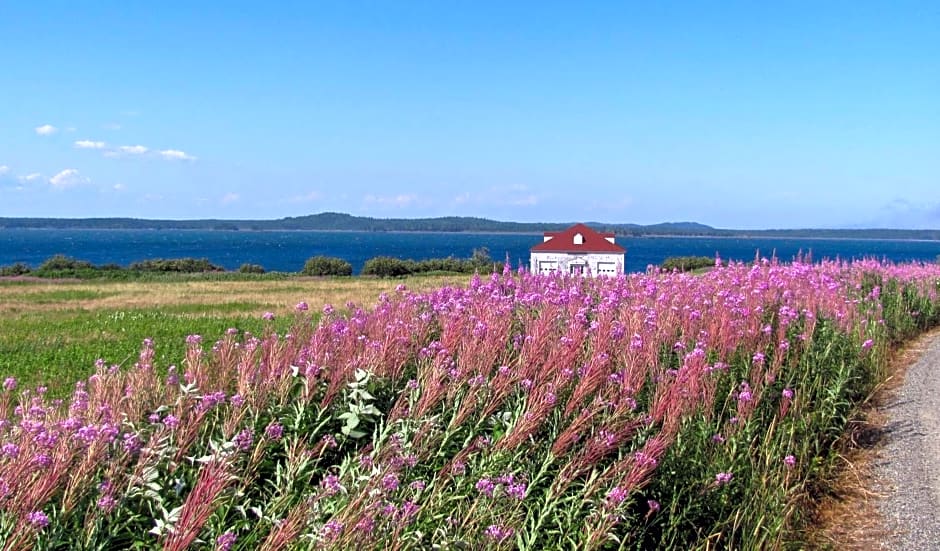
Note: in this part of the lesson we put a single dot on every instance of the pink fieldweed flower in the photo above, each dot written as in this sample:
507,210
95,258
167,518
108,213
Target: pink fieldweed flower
498,533
331,530
244,440
225,541
408,509
37,519
390,482
331,485
516,490
486,487
615,497
274,431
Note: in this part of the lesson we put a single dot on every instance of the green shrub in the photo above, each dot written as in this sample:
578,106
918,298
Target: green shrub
387,266
60,262
251,269
184,265
14,270
327,266
687,263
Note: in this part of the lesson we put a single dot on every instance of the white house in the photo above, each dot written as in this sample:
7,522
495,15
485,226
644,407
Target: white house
577,250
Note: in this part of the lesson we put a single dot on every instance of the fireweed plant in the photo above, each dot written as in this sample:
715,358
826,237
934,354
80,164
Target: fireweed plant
661,410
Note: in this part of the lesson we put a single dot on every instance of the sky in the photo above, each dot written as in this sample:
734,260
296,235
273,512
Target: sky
733,114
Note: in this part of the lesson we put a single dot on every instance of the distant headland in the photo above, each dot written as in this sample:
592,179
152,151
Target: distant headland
335,221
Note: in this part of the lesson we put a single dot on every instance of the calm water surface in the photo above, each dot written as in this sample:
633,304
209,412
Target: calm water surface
288,250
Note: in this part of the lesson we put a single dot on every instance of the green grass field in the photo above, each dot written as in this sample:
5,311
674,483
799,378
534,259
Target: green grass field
53,331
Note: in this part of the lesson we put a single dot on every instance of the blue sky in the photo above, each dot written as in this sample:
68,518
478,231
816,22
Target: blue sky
738,115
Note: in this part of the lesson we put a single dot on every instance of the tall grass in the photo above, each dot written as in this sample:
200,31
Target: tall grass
663,411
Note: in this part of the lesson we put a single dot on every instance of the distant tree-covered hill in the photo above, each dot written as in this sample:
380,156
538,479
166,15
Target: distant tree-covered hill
336,221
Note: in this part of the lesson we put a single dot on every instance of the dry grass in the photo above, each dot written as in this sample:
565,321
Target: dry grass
849,519
255,296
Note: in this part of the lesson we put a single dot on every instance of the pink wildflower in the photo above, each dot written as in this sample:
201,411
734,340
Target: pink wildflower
37,519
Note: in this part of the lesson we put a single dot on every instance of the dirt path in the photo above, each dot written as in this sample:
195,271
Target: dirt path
907,468
888,493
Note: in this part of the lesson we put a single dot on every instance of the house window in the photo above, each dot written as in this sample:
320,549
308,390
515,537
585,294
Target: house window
607,268
547,266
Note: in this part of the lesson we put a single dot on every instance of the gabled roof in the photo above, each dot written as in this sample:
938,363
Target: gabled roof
591,242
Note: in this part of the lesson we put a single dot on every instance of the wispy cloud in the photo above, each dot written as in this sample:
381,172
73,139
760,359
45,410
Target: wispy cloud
306,198
89,144
230,198
133,149
176,155
401,200
66,179
46,130
525,201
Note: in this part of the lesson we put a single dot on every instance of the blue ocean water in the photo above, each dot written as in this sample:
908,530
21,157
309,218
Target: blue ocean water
288,250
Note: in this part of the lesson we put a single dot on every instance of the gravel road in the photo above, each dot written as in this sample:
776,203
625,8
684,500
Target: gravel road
908,467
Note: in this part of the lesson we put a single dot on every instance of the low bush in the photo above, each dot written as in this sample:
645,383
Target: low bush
387,266
61,262
184,265
17,269
326,266
687,263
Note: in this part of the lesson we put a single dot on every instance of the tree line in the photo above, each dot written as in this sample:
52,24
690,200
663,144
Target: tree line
62,266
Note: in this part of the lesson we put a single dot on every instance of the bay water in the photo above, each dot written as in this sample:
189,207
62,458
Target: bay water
288,250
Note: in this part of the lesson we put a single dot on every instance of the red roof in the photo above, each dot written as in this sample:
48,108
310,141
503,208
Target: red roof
564,242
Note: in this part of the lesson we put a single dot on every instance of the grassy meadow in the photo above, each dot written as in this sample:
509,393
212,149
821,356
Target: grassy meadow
52,331
512,411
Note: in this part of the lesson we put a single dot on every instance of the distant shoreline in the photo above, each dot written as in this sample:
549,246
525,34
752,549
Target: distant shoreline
340,222
500,232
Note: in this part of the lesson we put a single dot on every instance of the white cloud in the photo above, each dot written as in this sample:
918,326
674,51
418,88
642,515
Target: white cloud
401,200
46,130
176,155
306,198
89,144
527,201
230,198
133,149
66,179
